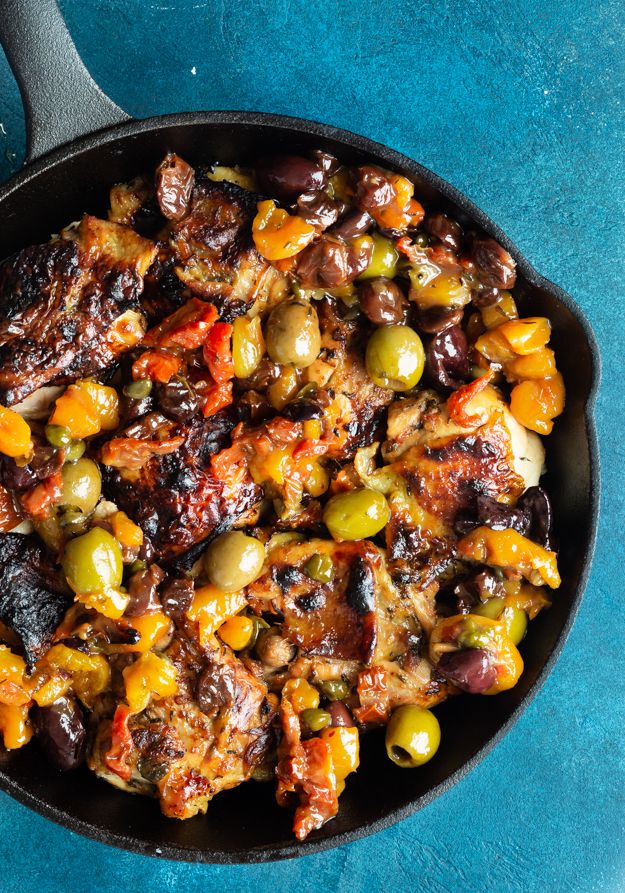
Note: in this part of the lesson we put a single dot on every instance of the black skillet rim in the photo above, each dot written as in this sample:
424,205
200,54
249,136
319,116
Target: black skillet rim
391,159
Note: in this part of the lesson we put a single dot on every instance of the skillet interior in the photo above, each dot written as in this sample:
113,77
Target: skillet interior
245,824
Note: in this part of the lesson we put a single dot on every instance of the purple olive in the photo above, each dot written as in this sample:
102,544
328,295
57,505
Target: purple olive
143,591
537,505
437,319
495,266
470,670
445,230
60,731
174,185
176,596
354,223
382,301
329,263
493,514
486,296
373,188
287,176
178,400
318,209
447,358
327,162
340,715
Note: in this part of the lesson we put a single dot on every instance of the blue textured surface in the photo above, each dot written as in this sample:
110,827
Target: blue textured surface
519,104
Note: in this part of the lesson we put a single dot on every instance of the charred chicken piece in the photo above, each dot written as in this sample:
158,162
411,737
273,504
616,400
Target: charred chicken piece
33,596
70,307
159,472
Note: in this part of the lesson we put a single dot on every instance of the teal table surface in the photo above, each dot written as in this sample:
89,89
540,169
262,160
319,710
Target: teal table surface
521,105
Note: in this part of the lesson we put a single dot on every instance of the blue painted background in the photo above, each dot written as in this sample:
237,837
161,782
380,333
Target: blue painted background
520,104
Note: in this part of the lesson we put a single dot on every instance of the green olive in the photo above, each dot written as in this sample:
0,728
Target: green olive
93,562
356,515
82,485
293,337
138,390
320,568
412,736
472,635
395,357
334,689
75,450
234,560
58,436
316,719
383,260
514,619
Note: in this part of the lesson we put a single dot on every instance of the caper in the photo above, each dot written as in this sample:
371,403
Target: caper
93,562
58,436
75,450
383,260
334,689
82,485
293,336
356,515
395,358
412,736
320,568
233,560
315,718
138,390
137,566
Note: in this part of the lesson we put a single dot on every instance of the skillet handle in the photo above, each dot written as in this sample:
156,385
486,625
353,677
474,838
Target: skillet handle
61,100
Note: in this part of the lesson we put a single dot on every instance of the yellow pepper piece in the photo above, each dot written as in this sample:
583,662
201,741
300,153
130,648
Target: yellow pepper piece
536,403
344,744
86,408
509,549
15,437
506,309
317,480
152,628
539,364
125,531
301,694
237,632
526,335
13,688
284,388
14,726
149,676
495,347
248,345
111,603
48,687
312,429
91,673
277,234
525,597
211,607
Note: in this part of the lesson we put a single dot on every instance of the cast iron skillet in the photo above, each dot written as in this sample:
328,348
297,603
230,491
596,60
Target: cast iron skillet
100,145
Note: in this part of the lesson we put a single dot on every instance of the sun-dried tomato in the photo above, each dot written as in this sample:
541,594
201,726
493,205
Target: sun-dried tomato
187,327
217,352
157,365
216,398
122,744
132,452
457,402
38,502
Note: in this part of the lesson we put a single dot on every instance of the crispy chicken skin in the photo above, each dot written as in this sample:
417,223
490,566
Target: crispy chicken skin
175,498
33,595
187,755
70,307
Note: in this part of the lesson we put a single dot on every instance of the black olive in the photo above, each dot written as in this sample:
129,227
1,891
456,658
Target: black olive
60,731
447,358
536,504
471,670
178,400
287,176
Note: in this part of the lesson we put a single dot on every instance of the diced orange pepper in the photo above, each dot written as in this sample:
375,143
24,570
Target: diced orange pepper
149,676
13,688
277,234
86,408
344,744
157,365
48,686
537,402
217,352
219,396
14,726
539,364
15,437
495,347
301,694
237,632
125,531
152,628
526,335
509,549
211,607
